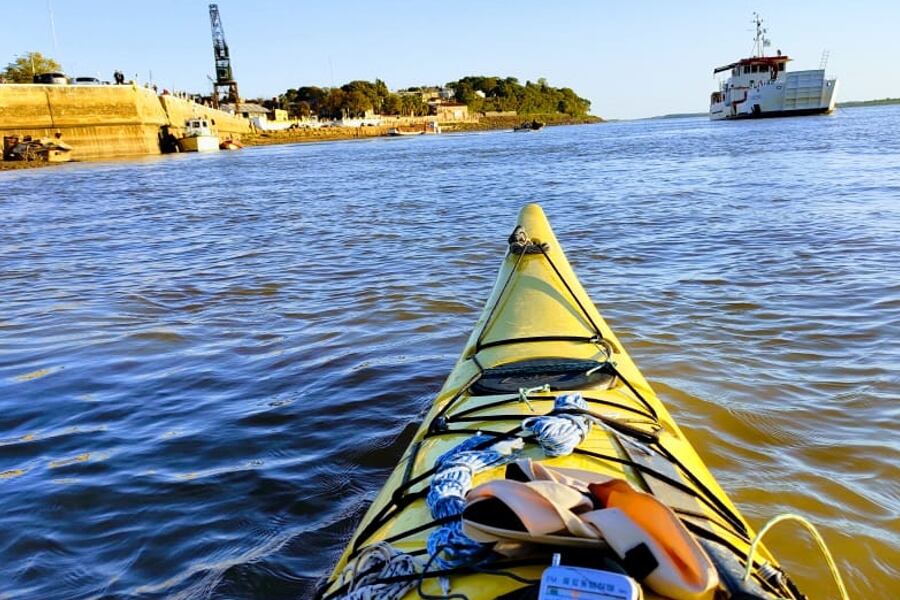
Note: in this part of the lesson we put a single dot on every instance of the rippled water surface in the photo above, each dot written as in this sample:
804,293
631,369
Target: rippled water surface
209,364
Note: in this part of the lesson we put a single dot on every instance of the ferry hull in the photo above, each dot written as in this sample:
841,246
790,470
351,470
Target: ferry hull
793,94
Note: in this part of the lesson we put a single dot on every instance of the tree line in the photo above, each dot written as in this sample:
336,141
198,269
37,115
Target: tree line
352,99
479,93
483,94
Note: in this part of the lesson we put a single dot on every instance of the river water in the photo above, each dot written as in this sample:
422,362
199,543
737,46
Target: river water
209,364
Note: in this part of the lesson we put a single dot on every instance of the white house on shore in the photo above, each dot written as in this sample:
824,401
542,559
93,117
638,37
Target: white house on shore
248,110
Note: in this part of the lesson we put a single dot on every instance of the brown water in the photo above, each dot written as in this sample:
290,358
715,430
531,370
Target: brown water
209,364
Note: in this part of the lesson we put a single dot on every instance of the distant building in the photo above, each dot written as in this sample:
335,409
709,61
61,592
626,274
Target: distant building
248,110
369,121
427,94
450,111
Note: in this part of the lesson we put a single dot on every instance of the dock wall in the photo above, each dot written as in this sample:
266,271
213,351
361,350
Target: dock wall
103,120
179,110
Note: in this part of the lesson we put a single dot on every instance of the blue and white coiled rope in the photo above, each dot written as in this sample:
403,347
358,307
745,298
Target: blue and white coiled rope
447,545
558,435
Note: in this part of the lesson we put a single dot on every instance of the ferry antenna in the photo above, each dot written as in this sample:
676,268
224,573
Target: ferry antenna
760,41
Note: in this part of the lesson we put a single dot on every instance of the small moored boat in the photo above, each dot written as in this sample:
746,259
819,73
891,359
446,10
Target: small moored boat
430,127
529,126
198,137
43,149
230,144
397,132
547,467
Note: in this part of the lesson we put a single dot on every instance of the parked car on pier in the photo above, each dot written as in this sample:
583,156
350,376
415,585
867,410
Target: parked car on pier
86,81
51,79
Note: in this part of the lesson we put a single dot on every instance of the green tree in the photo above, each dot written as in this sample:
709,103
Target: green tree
356,103
333,104
303,101
392,105
25,67
413,105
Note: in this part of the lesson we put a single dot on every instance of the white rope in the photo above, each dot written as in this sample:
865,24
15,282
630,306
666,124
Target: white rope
558,435
375,563
812,529
524,393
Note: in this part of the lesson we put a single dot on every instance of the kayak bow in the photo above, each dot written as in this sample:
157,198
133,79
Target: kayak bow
538,336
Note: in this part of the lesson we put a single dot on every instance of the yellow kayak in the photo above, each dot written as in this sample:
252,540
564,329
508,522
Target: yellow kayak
541,337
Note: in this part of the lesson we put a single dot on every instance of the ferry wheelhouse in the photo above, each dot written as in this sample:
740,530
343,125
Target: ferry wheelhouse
761,86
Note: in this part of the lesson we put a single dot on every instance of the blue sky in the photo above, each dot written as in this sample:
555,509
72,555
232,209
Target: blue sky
630,59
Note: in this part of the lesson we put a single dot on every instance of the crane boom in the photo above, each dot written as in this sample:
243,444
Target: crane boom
224,75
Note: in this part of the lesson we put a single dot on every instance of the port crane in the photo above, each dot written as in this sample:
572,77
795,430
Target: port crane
224,75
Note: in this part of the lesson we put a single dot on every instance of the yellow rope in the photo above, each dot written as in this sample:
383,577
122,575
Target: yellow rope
812,529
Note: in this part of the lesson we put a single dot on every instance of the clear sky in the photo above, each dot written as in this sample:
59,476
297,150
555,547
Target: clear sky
631,59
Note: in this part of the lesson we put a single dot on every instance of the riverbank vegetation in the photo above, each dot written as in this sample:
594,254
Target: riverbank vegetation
495,94
508,122
481,94
881,102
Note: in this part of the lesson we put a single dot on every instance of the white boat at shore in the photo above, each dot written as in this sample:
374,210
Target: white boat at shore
395,132
430,127
761,86
198,137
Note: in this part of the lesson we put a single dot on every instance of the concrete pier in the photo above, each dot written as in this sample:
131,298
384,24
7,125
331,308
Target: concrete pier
101,121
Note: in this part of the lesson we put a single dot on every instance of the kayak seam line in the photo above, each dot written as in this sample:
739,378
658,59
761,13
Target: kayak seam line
487,321
674,460
634,391
572,293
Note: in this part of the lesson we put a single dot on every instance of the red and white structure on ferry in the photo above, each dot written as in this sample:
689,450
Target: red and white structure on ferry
761,86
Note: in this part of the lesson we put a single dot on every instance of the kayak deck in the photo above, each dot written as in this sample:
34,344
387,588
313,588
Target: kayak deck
539,310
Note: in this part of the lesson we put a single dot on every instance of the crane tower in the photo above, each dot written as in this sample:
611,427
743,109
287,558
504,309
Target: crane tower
224,75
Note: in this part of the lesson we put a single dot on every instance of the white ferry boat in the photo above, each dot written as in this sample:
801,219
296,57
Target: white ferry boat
761,86
198,137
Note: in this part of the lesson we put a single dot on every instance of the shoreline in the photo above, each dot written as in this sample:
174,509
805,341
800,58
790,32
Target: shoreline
329,134
335,134
490,123
20,165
